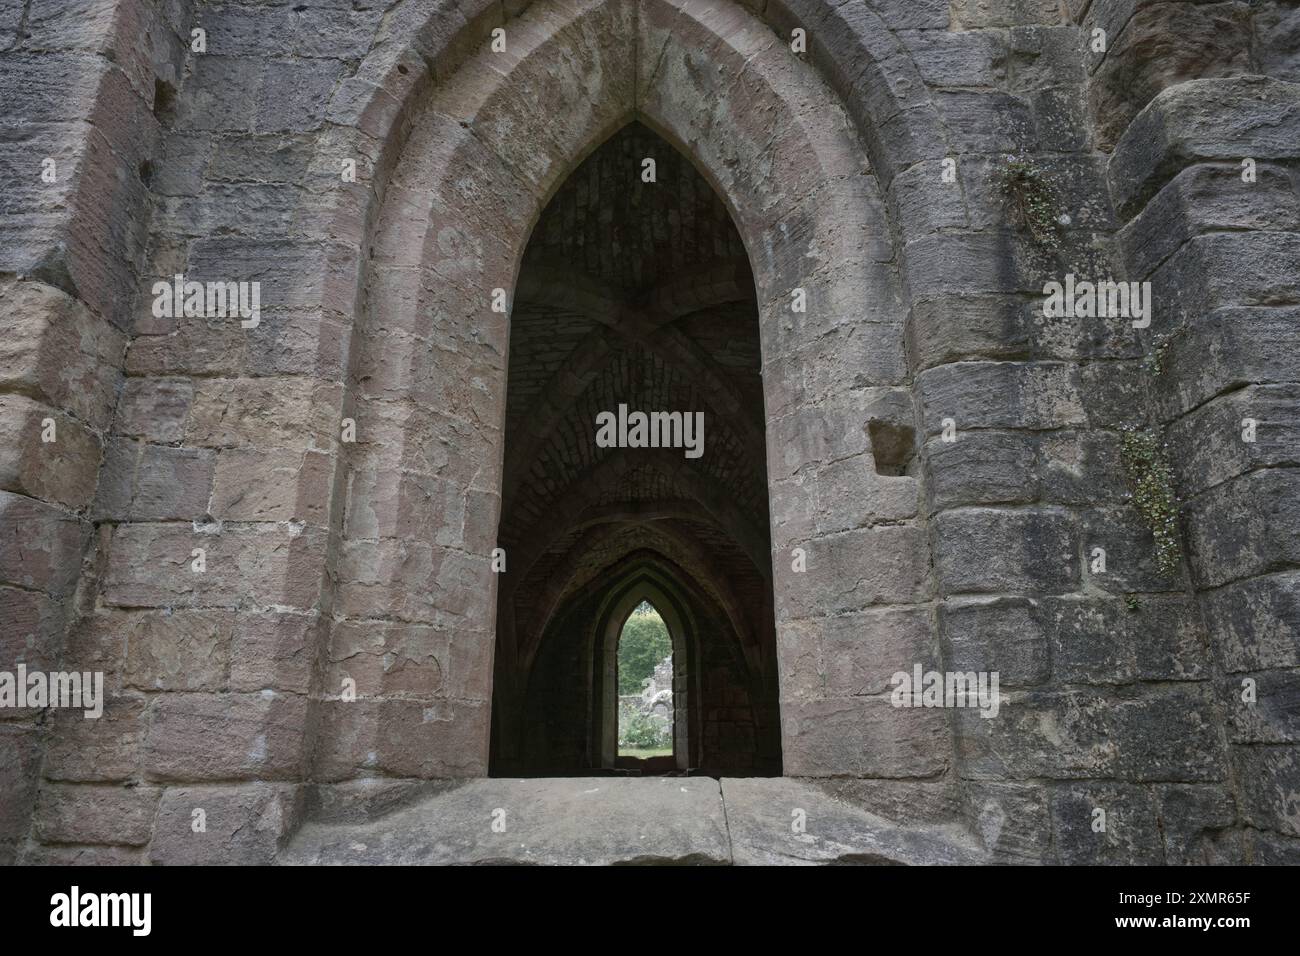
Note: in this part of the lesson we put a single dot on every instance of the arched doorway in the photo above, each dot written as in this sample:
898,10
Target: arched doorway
423,492
635,298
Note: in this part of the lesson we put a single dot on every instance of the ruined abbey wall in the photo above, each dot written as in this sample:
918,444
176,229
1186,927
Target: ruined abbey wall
942,458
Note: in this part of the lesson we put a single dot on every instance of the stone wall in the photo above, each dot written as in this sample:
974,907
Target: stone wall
1209,90
330,560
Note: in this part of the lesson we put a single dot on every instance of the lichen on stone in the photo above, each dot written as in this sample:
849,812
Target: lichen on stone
1149,474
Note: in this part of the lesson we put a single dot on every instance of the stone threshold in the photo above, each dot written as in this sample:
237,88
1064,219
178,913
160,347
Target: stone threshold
627,821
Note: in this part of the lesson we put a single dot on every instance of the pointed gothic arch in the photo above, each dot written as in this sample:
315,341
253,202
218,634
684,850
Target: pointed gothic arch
467,154
645,585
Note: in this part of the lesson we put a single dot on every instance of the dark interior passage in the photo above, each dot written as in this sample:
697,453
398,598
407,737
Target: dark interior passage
635,294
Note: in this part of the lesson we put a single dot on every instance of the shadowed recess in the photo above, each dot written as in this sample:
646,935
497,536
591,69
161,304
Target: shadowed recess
634,293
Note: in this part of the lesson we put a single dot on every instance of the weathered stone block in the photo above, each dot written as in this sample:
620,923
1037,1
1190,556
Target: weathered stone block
1271,716
909,802
243,825
294,272
61,471
225,97
1207,198
946,59
820,435
1127,549
986,122
975,264
387,659
20,755
1006,635
1158,734
143,482
1044,56
1254,427
854,654
1203,121
1104,642
1111,392
263,413
922,202
33,631
1000,395
864,737
272,650
1131,834
1169,734
410,581
1277,31
97,643
154,409
1224,269
103,749
1244,527
846,572
1192,819
991,549
53,348
1269,803
118,815
1254,622
1227,348
1080,468
1163,45
387,504
40,545
83,856
152,565
849,494
178,650
404,738
977,14
226,736
982,468
257,484
835,831
1012,820
1269,849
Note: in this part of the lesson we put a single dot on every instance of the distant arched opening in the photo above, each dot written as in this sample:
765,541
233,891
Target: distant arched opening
643,675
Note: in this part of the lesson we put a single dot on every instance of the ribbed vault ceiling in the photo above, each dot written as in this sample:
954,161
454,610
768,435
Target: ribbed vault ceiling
635,293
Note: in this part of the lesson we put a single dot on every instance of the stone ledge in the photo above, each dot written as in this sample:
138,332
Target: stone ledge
619,821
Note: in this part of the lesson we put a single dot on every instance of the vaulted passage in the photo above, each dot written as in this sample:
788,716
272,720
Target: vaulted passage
634,296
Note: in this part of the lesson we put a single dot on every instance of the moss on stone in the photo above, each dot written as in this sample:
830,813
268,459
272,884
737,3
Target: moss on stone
1033,200
1149,474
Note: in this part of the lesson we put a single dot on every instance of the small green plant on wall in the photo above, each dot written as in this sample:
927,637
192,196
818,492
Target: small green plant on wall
1159,360
1152,481
1033,201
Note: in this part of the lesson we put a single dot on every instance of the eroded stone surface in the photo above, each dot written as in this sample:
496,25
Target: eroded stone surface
604,820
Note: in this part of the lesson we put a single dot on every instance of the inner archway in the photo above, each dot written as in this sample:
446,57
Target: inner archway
644,675
634,298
